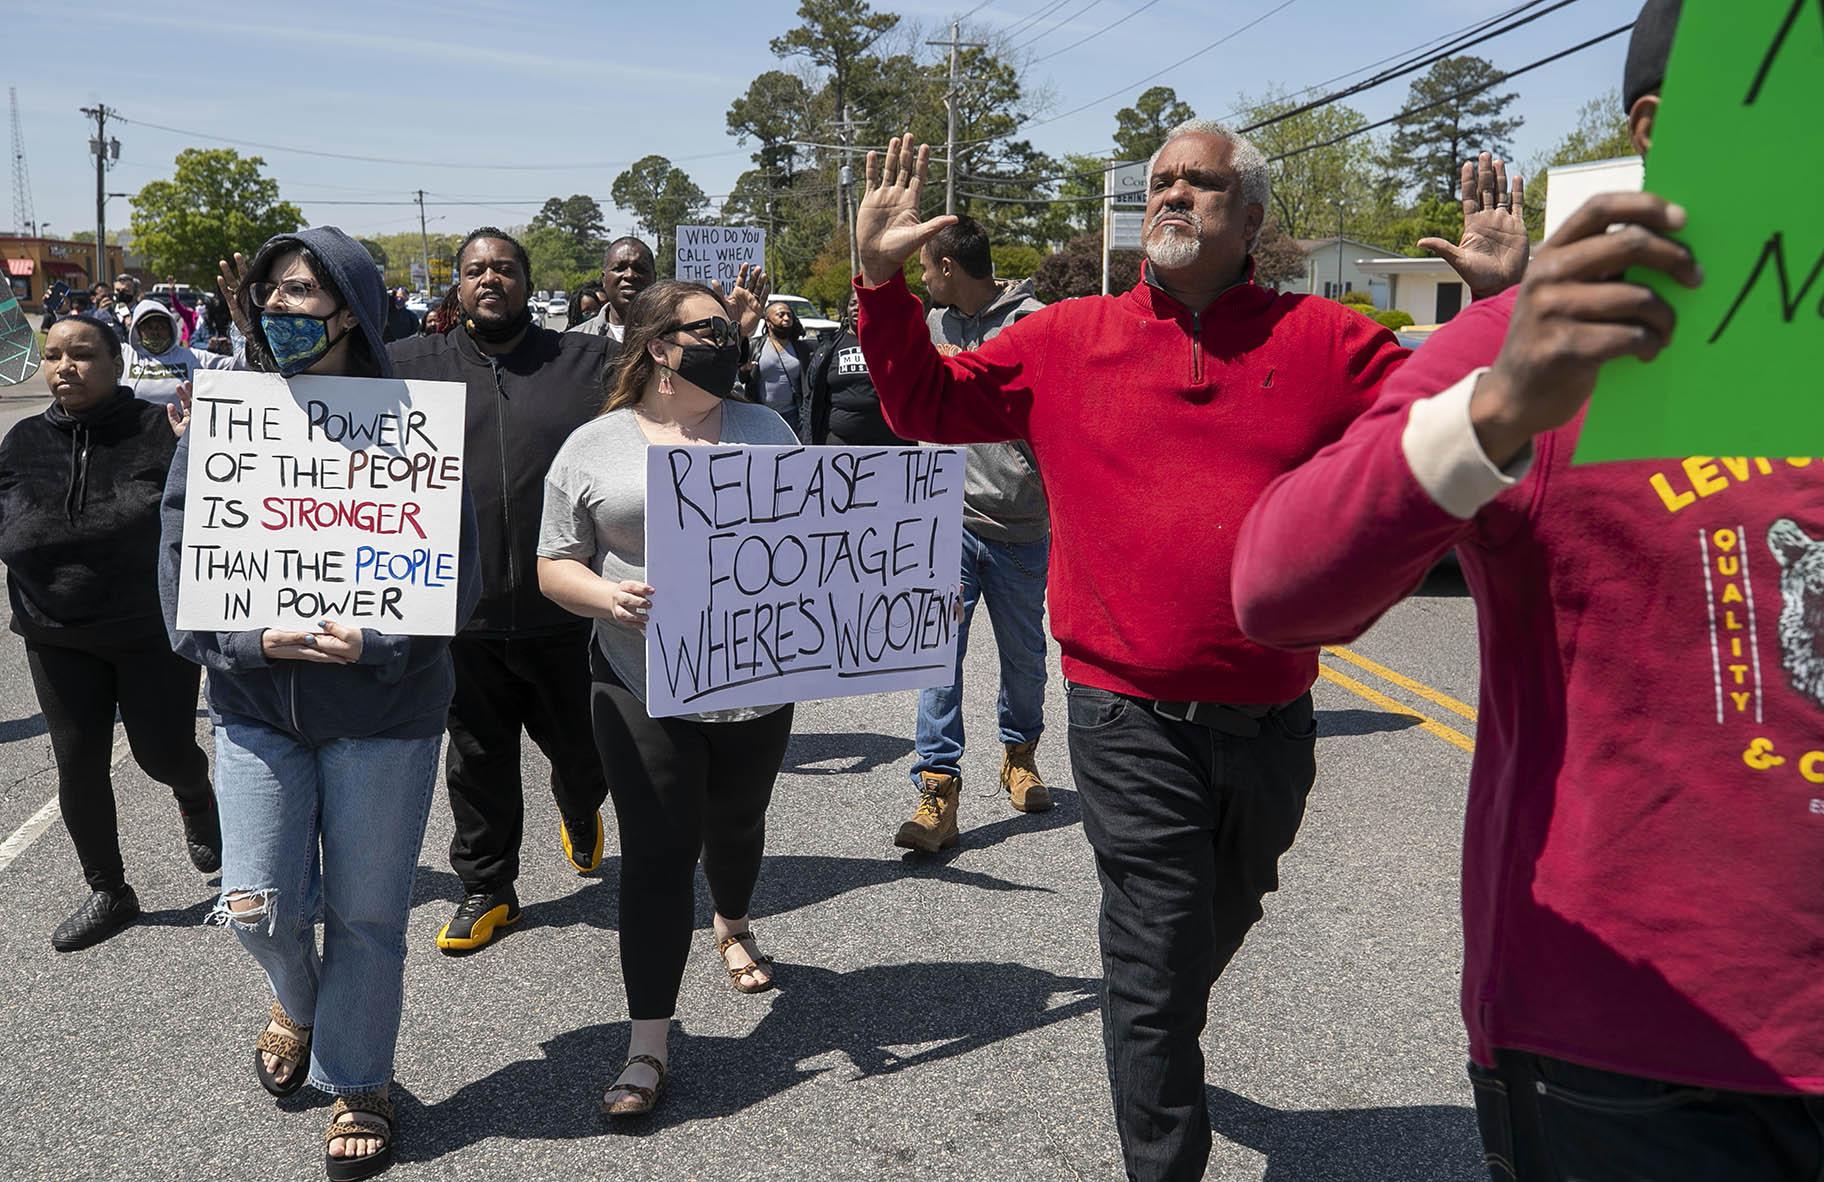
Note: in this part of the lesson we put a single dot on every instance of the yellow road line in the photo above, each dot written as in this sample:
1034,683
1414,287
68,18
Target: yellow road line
1435,697
1432,726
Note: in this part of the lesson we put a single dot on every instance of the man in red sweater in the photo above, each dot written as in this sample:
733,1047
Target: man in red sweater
1643,922
1157,417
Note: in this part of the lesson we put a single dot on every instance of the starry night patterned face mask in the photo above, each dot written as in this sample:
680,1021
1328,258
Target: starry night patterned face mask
297,341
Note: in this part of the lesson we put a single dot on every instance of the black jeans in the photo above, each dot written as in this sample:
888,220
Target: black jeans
540,683
1187,824
681,788
79,691
1547,1120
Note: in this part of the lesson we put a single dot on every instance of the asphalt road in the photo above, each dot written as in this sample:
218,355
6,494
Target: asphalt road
936,1019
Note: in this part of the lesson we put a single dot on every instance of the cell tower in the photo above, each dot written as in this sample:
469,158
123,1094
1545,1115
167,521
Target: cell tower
25,221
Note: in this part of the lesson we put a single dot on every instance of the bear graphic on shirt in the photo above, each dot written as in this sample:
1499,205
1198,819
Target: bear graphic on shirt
1801,559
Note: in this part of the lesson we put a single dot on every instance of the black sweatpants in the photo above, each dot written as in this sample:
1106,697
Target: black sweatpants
540,683
79,691
681,788
1187,824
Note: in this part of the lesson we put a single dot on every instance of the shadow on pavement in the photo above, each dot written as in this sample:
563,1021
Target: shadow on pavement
1333,724
12,730
863,750
881,1020
1423,1143
788,882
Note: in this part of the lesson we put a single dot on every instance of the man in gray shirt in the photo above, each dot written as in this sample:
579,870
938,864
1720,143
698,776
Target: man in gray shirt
1006,546
628,268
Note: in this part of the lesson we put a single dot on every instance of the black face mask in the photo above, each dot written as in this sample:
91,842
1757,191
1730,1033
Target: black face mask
711,368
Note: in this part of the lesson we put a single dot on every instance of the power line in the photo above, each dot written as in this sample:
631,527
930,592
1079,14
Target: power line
1056,25
1027,22
1425,56
1408,113
464,164
1092,36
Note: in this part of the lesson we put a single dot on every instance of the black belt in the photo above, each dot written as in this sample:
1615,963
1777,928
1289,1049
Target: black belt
1243,722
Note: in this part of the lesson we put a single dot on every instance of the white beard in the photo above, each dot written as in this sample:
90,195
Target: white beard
1172,249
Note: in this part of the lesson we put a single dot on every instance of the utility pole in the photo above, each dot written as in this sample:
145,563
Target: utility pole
424,241
105,150
954,45
1340,207
845,177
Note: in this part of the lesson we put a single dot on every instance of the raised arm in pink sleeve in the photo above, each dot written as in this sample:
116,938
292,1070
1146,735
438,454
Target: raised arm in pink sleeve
982,396
1333,544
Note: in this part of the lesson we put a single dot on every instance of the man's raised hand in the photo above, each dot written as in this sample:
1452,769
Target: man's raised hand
887,228
1493,252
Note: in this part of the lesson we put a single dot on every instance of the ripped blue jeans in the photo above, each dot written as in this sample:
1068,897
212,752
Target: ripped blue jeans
325,834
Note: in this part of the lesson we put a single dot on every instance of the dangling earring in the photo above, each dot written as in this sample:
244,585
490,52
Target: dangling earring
665,383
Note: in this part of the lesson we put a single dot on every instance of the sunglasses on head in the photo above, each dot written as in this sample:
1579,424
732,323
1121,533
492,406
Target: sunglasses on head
714,329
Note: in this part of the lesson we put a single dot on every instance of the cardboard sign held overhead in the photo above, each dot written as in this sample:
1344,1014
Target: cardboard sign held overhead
322,498
1734,143
784,574
718,253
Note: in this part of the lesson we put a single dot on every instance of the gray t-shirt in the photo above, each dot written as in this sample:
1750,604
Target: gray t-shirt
595,513
779,377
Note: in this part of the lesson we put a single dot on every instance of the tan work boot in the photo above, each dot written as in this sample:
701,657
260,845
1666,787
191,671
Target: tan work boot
1021,781
933,824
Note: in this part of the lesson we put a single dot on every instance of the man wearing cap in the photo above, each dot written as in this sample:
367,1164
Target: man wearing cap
1157,417
1643,922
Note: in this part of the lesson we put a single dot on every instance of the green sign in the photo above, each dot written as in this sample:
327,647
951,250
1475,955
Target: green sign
1736,143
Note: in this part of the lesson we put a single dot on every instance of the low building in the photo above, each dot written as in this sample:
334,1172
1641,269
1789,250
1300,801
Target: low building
1426,289
1333,268
32,265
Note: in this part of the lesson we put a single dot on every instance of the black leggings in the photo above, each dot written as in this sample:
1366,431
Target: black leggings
155,692
680,789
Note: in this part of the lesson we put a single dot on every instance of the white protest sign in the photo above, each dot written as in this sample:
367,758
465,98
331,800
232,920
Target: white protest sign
322,498
784,574
719,252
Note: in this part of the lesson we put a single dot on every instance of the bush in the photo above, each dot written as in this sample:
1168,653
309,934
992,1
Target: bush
1359,297
1395,319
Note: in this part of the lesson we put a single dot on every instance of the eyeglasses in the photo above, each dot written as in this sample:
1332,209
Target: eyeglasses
291,293
714,329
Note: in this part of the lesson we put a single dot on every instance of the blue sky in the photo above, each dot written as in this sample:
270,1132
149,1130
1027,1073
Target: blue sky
447,96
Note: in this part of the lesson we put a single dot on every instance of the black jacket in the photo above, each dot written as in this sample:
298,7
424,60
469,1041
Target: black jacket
79,523
521,408
840,404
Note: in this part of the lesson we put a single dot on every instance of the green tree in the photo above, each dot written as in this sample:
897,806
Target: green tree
1308,186
1076,270
1141,128
556,265
1278,260
217,202
661,196
834,34
572,228
1601,133
1463,114
375,251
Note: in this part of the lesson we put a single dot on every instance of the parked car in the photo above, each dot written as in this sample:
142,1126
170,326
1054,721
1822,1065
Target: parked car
816,325
558,305
418,303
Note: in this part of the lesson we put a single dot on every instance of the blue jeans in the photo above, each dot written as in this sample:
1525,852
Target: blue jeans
1011,577
326,834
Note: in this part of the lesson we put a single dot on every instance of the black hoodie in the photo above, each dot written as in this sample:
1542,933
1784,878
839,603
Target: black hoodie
522,406
79,523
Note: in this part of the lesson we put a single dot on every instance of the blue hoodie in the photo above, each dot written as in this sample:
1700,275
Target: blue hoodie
401,686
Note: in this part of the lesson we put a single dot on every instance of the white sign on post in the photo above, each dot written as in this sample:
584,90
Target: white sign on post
719,252
1125,188
785,574
322,498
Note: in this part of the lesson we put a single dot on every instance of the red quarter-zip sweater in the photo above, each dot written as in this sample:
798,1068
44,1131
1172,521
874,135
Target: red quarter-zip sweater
1643,851
1155,428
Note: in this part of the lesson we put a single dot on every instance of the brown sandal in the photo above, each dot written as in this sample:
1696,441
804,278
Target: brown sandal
760,960
291,1048
638,1101
365,1114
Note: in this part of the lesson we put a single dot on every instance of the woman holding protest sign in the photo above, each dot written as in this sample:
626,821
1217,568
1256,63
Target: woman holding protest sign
687,786
326,748
79,493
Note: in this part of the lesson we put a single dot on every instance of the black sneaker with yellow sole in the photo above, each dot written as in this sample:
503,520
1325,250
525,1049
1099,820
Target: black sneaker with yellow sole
477,921
582,841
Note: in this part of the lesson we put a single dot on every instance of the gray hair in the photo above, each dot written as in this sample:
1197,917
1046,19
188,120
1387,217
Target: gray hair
1248,161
